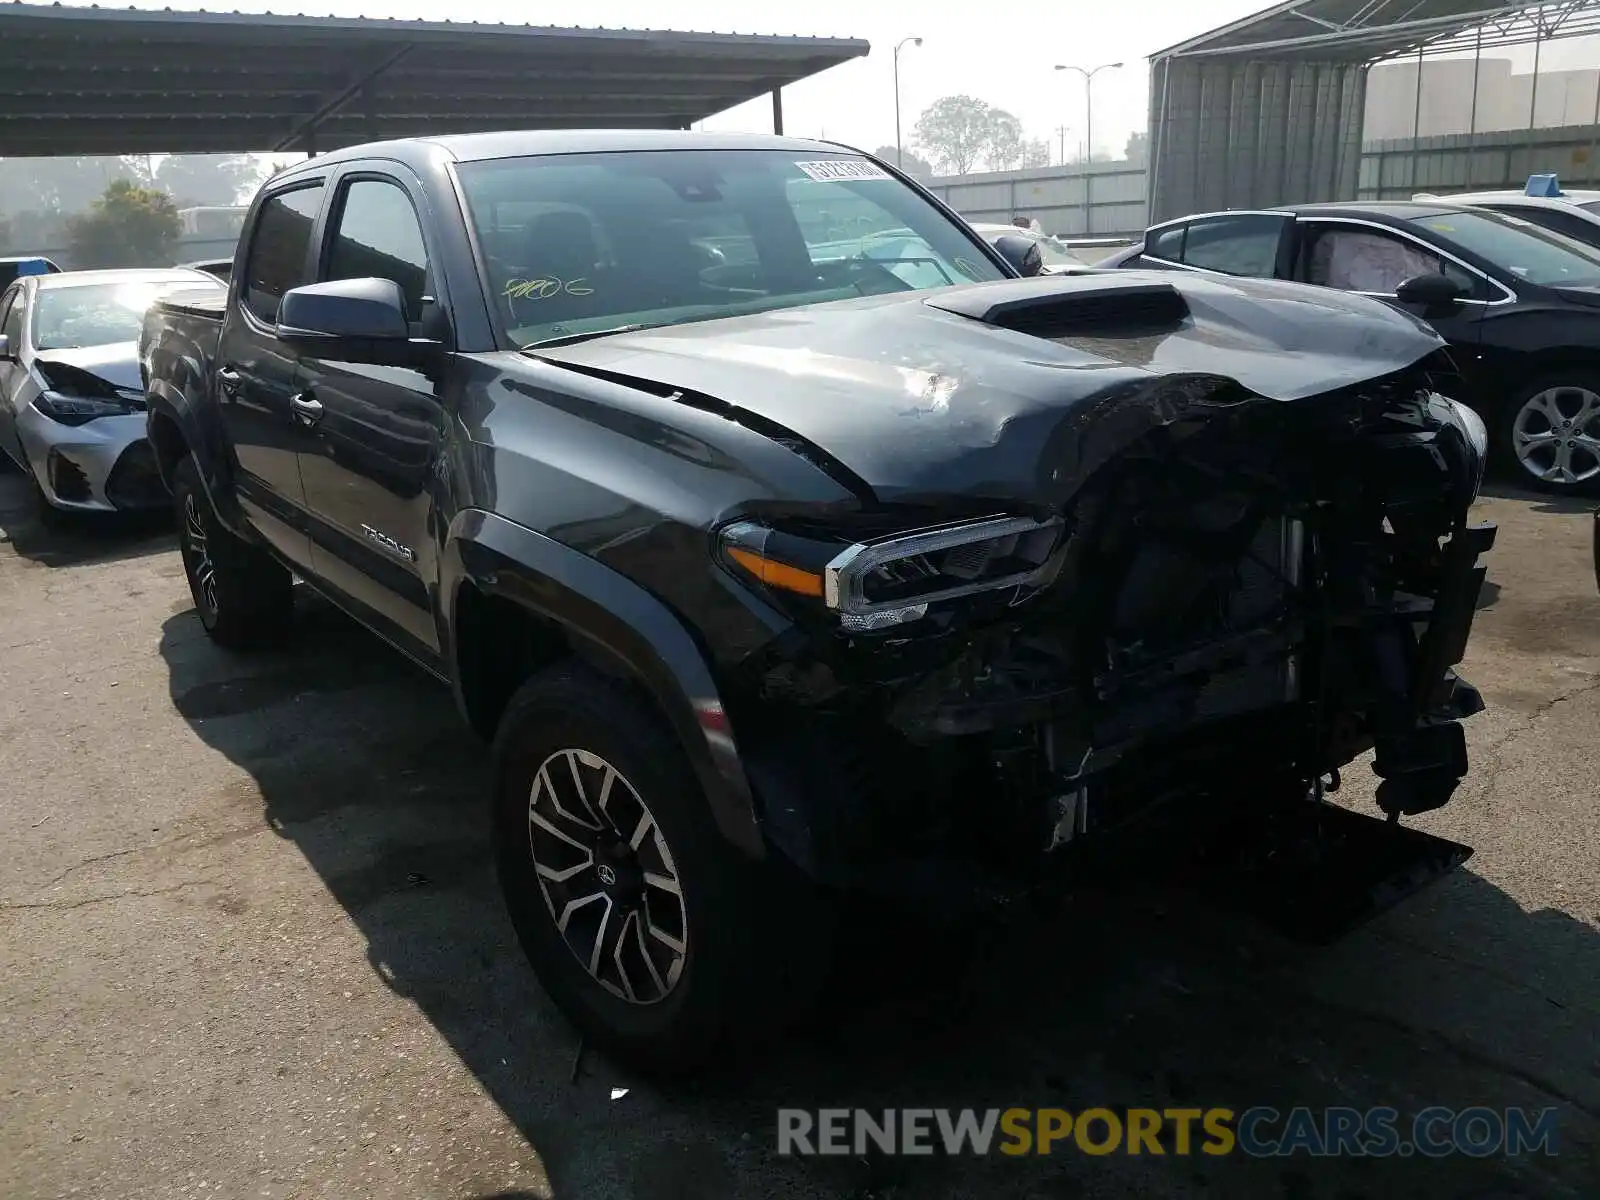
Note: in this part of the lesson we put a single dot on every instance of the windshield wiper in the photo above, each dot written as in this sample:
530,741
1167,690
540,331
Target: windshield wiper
568,339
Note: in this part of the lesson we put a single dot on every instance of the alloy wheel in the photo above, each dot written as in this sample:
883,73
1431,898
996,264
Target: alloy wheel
197,549
607,876
1556,435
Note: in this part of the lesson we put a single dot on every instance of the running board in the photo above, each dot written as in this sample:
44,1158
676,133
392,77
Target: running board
1313,872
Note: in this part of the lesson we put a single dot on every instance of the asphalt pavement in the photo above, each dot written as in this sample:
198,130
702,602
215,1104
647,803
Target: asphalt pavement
250,944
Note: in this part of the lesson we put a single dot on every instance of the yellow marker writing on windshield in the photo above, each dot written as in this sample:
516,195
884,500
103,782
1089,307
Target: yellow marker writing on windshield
543,289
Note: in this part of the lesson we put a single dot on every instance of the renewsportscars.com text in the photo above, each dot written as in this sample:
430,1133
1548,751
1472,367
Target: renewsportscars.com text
1258,1132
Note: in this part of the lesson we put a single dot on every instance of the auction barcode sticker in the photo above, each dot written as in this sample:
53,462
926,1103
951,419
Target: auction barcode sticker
827,169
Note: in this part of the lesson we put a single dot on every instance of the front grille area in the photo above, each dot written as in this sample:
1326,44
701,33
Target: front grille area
135,482
67,479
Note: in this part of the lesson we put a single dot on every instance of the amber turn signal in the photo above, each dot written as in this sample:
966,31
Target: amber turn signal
776,574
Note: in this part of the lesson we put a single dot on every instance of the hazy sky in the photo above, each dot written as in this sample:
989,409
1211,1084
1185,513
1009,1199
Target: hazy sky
1000,53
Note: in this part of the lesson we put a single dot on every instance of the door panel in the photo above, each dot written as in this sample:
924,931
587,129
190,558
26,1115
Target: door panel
376,432
367,475
256,377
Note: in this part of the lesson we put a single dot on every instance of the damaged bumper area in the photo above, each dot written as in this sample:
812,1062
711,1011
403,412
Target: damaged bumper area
1231,599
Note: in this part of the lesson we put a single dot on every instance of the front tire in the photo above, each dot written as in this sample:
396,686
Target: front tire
244,596
1550,433
637,916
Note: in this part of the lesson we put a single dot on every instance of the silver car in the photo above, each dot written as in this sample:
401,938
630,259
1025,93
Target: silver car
71,399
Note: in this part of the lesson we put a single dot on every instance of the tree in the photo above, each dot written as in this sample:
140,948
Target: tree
910,162
954,132
206,179
129,226
1003,149
1138,148
1035,153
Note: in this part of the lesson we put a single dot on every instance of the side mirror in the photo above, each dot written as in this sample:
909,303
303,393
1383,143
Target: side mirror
1428,291
6,353
1022,253
349,320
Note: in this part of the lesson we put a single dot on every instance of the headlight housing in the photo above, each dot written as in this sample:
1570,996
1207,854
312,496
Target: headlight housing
891,581
79,410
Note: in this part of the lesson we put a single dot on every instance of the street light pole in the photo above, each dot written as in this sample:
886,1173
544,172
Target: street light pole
1088,132
898,153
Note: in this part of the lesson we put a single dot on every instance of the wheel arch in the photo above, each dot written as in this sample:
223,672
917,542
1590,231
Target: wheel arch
570,604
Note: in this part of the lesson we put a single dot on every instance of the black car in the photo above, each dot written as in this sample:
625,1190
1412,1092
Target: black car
794,570
1520,306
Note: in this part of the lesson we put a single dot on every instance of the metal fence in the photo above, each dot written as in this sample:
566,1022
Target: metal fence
186,249
1395,169
1389,170
1105,200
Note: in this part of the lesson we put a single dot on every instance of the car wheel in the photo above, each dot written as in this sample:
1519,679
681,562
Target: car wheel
1550,434
637,916
244,596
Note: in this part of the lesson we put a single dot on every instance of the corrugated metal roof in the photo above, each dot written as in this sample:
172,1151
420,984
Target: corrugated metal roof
92,80
1363,30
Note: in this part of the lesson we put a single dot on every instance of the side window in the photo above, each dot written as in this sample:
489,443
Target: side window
379,236
11,320
1359,259
279,249
1166,244
1241,245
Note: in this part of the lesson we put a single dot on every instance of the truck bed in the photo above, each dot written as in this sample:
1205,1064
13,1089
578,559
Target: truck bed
202,302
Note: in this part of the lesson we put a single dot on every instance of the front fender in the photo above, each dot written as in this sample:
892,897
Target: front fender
623,622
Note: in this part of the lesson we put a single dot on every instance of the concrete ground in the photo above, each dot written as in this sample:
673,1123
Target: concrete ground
250,944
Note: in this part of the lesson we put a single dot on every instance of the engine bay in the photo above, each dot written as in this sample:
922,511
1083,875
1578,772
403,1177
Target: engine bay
1238,605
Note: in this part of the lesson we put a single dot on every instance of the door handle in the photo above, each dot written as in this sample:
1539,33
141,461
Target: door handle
229,379
307,408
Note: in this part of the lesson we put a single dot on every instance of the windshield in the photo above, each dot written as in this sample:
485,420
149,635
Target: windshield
1520,247
581,244
1592,206
97,314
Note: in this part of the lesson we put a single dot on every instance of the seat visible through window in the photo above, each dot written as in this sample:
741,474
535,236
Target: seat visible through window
1358,260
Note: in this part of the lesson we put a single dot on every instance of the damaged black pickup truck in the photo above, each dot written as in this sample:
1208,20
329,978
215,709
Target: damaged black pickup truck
776,528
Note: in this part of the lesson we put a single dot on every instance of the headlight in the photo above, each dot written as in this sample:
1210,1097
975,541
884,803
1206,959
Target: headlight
891,581
77,410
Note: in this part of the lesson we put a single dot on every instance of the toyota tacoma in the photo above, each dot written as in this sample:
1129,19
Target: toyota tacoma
773,526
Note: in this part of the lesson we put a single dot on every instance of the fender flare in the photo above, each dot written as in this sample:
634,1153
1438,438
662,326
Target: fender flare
163,400
614,616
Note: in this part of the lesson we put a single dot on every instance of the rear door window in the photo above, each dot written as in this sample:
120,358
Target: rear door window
280,249
1243,244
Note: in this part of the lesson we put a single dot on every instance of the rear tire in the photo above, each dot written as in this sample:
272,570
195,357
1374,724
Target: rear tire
244,596
642,922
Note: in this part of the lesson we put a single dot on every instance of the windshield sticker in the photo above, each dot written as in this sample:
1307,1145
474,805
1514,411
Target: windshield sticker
828,170
543,289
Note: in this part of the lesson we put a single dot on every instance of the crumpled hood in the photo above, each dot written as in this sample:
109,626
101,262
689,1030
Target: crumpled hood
117,363
927,393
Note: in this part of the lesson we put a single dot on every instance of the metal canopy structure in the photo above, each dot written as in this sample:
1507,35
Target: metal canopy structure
1365,31
125,81
1269,109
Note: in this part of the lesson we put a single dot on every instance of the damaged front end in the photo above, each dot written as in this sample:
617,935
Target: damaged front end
1233,599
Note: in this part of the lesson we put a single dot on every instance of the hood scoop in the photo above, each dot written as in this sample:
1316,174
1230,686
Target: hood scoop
1083,306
